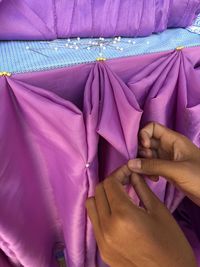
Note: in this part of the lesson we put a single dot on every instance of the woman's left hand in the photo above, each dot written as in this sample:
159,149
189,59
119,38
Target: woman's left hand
131,236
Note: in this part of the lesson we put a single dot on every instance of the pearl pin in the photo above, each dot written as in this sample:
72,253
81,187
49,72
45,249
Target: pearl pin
87,165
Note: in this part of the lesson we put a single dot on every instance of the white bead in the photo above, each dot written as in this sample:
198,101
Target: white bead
129,41
104,48
78,38
101,45
100,54
66,45
114,42
88,48
133,42
27,47
76,47
68,40
87,165
121,49
148,42
56,48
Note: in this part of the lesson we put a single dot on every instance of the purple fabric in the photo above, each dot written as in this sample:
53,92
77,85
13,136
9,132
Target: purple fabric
49,19
188,216
64,130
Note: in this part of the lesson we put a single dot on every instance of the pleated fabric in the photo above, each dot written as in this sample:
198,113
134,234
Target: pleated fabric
62,131
51,19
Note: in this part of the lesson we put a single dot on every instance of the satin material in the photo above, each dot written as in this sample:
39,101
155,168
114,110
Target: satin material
62,131
50,19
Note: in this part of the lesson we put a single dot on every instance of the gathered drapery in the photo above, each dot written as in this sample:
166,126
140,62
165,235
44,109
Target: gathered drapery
62,131
50,19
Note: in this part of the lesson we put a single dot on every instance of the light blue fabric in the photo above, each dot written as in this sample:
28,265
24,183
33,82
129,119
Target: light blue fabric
195,27
16,58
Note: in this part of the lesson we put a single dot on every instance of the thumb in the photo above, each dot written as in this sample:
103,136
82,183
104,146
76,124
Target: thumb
172,170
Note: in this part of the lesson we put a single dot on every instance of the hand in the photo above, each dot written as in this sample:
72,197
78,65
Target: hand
171,155
131,236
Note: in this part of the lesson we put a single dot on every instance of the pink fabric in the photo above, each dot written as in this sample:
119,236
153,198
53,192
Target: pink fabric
54,123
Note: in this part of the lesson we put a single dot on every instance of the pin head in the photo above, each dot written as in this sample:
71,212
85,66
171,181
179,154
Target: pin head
87,165
179,48
5,73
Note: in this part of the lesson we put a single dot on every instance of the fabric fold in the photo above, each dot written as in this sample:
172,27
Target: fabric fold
22,191
60,135
34,20
162,92
113,106
108,104
189,101
50,19
60,190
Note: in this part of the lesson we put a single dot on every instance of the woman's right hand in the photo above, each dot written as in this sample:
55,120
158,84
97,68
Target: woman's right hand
171,155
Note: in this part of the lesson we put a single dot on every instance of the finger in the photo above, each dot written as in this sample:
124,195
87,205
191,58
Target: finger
147,153
93,215
143,191
157,131
147,141
114,189
154,130
144,138
121,175
102,204
172,170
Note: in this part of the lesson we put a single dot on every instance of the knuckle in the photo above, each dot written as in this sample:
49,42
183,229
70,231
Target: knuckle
108,233
119,221
111,231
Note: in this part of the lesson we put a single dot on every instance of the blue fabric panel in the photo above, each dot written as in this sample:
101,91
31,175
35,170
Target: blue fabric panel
28,56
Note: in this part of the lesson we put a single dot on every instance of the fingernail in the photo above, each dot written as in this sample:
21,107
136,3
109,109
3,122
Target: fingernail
135,164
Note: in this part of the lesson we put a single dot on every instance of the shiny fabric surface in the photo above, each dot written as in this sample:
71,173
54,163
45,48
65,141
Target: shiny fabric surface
62,131
50,19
